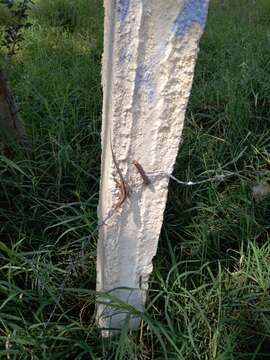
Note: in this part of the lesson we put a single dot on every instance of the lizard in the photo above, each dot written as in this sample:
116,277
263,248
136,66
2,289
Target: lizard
123,185
139,167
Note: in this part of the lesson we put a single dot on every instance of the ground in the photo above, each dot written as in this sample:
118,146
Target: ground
209,293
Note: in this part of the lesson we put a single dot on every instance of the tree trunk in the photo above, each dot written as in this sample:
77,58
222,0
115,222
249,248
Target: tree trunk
10,120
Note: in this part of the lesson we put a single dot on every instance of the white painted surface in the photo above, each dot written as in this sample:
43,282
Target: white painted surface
150,49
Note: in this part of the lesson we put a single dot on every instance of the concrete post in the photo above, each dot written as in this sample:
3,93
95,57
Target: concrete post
150,49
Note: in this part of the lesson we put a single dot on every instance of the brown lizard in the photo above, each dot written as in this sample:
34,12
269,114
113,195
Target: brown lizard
139,167
123,185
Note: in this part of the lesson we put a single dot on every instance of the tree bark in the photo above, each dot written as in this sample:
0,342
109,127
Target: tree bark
10,120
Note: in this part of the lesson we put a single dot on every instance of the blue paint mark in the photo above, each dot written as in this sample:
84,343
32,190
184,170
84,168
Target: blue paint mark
139,77
124,56
122,10
144,80
194,11
151,94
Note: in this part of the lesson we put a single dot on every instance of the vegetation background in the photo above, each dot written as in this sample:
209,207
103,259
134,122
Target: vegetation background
209,293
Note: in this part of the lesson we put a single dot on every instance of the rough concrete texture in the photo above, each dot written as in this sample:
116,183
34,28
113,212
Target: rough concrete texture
150,49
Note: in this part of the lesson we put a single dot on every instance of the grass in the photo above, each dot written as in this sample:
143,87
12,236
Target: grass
209,292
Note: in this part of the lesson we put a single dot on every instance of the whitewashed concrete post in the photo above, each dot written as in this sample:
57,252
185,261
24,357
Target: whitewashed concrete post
150,50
